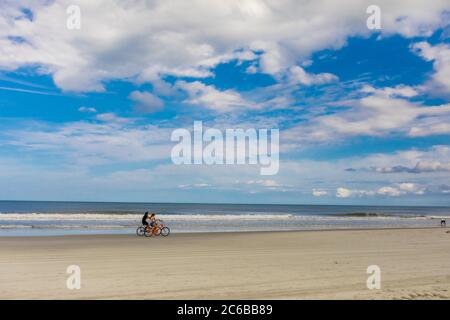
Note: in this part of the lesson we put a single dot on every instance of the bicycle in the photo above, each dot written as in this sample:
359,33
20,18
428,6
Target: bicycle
159,228
140,231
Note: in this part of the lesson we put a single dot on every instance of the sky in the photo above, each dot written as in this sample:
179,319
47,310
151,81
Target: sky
87,113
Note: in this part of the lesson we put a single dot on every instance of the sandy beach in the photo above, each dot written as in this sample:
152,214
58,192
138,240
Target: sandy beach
415,264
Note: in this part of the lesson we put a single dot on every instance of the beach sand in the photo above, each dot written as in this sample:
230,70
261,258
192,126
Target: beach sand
415,264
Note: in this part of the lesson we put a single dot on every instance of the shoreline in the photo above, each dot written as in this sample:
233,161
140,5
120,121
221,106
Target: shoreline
227,232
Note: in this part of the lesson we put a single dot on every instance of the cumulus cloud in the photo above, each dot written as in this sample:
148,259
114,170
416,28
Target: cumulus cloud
440,56
266,184
397,91
146,41
378,114
122,41
435,159
82,146
319,193
342,192
211,98
401,189
146,102
396,190
299,75
389,191
411,187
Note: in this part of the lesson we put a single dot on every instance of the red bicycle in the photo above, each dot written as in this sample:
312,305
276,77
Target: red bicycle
159,228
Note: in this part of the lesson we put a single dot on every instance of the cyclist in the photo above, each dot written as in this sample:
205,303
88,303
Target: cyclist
144,220
152,219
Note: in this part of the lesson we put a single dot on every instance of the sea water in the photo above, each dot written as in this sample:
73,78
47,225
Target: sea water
31,218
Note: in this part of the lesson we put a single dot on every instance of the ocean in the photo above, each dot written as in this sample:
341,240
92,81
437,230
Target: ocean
34,218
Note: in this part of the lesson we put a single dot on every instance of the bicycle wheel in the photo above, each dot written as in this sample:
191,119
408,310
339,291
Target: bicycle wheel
148,232
140,231
165,231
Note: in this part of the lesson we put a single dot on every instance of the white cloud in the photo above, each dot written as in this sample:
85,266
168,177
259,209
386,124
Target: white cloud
398,91
444,189
401,189
428,161
146,102
76,149
389,191
432,166
211,98
420,167
252,69
112,140
87,109
378,114
112,117
194,186
411,187
408,158
144,39
396,190
438,125
299,75
267,184
264,182
319,193
343,192
440,55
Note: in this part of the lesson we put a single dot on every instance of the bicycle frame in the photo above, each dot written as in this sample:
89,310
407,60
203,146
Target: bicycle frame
158,226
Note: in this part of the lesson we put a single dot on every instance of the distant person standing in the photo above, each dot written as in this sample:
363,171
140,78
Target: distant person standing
443,224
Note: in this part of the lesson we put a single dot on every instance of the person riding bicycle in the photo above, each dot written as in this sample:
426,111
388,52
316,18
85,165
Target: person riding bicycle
154,227
144,220
151,218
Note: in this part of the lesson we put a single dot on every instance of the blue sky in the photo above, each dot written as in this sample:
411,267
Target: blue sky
364,115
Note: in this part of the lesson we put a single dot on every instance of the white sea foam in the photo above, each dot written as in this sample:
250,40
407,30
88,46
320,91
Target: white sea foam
128,217
71,223
14,226
194,217
62,226
439,217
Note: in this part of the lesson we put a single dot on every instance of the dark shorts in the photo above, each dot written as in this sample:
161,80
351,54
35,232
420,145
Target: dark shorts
145,223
